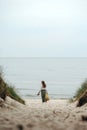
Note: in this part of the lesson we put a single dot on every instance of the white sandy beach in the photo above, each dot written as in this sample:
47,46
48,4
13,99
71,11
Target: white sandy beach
35,115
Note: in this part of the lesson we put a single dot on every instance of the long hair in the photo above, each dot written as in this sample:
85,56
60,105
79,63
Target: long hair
43,84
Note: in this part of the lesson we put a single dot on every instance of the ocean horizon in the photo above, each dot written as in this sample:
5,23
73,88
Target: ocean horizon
63,76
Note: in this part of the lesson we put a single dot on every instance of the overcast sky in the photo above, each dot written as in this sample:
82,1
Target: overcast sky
43,28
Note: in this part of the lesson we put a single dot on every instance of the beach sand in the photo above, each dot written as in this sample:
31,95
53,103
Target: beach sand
35,115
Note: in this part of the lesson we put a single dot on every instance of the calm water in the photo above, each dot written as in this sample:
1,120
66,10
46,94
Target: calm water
62,75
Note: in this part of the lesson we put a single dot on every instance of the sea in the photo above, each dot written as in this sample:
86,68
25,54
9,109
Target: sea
63,76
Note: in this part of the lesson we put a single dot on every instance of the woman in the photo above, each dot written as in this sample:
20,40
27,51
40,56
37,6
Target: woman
43,91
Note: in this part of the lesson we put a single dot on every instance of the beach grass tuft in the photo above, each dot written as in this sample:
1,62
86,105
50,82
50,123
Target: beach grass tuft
11,92
81,90
8,90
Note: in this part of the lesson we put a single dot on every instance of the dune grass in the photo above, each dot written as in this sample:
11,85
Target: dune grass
11,92
8,90
81,90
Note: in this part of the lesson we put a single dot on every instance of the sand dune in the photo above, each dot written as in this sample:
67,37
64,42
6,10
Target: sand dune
35,115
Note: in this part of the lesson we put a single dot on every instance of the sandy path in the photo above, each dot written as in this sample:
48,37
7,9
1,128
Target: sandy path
35,115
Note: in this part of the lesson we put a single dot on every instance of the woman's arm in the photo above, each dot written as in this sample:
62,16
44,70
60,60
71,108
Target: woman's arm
39,92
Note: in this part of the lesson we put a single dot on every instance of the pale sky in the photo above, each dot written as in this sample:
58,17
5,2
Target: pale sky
43,28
